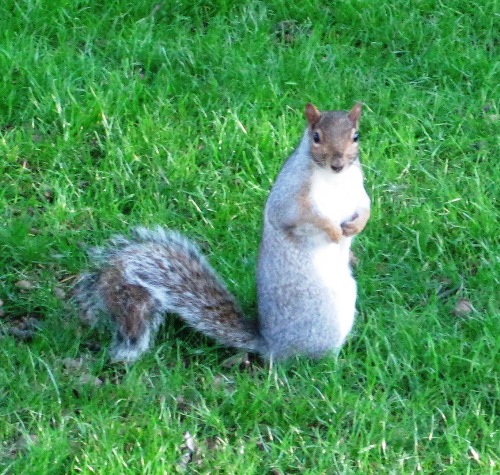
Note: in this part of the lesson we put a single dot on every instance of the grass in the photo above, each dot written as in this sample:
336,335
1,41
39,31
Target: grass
181,113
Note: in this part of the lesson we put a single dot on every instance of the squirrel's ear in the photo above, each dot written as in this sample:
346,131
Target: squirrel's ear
355,113
312,114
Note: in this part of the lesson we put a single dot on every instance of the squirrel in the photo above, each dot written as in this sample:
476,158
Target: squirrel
305,288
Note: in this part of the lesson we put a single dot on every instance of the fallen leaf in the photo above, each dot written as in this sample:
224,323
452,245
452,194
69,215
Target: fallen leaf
59,293
87,378
463,308
189,441
187,455
24,285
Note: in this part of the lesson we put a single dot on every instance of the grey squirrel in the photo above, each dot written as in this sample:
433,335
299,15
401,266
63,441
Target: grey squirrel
306,291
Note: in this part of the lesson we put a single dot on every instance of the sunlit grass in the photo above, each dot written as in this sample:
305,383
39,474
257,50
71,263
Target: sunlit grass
114,114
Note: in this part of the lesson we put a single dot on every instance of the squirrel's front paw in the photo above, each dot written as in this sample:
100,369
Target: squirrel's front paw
357,223
350,228
335,233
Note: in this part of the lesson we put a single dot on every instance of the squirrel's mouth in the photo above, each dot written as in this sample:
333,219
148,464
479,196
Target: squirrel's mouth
337,168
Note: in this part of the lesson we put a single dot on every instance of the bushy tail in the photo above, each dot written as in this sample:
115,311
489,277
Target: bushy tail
138,280
87,297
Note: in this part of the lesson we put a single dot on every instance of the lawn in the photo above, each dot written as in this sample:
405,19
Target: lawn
119,113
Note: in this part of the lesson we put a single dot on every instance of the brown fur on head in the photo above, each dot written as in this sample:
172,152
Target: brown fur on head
333,136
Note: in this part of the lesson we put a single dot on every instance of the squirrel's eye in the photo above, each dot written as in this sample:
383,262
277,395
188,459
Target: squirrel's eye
355,137
316,137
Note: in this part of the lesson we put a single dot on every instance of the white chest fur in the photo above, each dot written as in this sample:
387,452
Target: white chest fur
336,196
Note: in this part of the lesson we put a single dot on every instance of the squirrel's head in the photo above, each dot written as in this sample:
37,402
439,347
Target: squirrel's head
333,136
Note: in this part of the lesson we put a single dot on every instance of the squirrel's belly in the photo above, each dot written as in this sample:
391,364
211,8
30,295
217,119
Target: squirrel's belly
306,309
330,266
334,272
